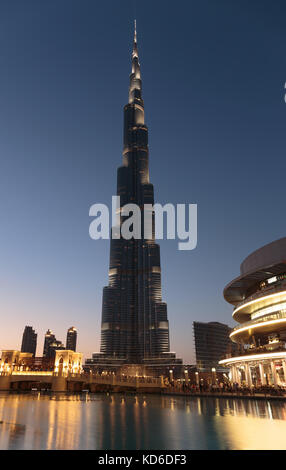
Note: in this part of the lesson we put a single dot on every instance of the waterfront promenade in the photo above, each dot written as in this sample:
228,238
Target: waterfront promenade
76,383
227,391
18,376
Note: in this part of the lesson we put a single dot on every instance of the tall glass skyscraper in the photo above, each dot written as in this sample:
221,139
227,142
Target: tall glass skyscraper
29,340
71,339
135,326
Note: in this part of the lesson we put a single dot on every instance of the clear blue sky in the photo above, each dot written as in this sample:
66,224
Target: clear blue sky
213,85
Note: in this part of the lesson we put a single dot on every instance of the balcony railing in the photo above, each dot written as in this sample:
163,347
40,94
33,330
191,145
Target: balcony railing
273,316
267,348
263,292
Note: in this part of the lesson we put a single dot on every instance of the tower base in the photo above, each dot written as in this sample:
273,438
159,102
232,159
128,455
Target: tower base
154,367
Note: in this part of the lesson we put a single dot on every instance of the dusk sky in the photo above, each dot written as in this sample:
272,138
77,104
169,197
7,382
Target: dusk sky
213,76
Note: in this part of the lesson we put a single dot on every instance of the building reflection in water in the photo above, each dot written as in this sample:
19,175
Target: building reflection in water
116,421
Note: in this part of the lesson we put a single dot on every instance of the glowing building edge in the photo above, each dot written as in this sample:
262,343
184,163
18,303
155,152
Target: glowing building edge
257,325
259,300
253,357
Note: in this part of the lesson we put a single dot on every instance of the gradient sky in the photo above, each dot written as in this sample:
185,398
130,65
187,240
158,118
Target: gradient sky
213,84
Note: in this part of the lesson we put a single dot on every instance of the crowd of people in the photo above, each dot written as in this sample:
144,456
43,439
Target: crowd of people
226,388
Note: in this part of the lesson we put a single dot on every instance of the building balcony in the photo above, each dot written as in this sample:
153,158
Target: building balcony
255,355
267,298
279,347
266,325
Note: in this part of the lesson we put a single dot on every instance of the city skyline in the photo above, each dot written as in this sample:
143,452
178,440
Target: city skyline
59,96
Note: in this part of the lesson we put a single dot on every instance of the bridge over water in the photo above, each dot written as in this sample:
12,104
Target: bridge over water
27,380
17,372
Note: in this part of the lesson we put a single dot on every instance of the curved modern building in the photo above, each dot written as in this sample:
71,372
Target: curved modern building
259,299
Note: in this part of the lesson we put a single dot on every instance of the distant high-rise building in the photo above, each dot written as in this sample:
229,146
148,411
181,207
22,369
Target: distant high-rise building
53,347
49,338
212,343
29,340
51,344
71,339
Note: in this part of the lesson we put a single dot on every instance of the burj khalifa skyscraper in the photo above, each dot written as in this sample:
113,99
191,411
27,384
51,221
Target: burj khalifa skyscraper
135,327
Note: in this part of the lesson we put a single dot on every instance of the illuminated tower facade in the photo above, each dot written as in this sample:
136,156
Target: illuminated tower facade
49,339
71,339
51,344
135,326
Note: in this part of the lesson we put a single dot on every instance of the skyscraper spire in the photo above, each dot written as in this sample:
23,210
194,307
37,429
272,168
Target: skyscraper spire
135,76
135,32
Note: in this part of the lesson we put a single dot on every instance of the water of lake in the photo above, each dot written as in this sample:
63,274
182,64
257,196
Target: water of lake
101,421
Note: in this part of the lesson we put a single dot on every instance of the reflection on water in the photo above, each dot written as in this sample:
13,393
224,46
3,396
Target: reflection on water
106,421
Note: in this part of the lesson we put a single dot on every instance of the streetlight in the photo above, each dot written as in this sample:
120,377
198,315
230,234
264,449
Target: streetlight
186,375
213,375
197,378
